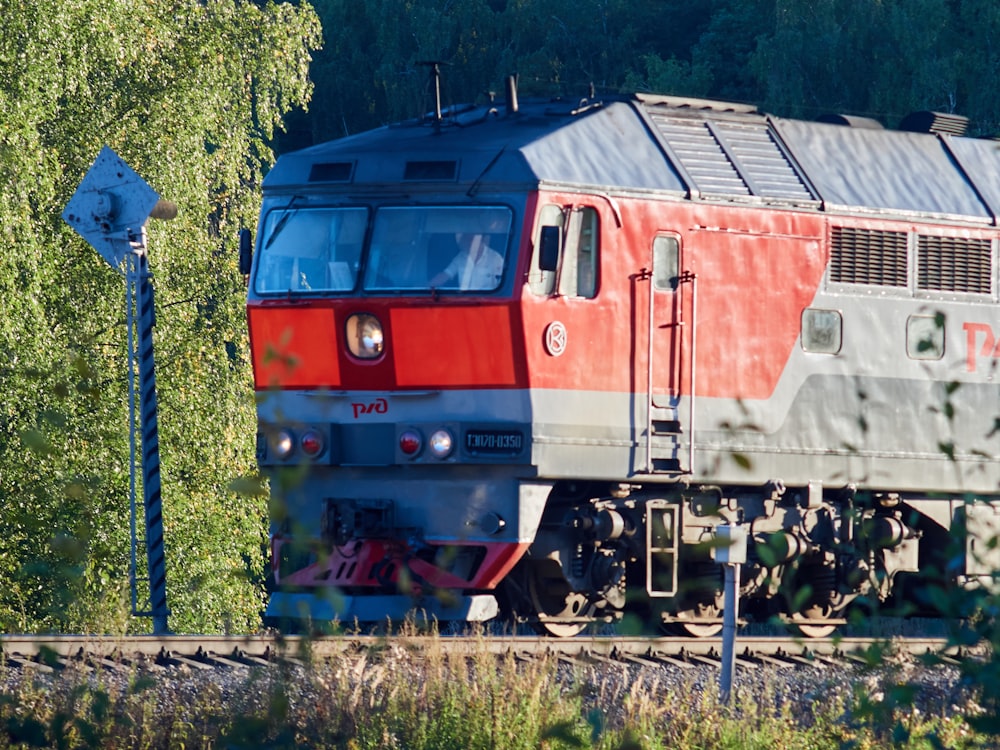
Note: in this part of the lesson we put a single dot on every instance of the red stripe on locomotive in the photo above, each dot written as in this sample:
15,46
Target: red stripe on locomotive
431,347
293,348
449,347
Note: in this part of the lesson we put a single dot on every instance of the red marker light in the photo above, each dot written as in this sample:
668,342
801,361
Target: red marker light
410,442
312,443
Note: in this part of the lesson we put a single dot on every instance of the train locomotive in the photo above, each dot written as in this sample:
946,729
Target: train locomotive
520,360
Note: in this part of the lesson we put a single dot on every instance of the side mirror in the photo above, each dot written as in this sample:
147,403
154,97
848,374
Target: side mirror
246,251
548,252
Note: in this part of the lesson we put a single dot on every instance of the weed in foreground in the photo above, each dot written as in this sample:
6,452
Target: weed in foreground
428,697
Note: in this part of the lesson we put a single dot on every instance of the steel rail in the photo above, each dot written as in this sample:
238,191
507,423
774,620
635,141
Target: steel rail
57,650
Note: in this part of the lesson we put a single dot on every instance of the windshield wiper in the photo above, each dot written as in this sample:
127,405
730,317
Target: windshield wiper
282,221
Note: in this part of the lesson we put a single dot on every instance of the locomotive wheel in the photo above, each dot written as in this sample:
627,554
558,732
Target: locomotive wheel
697,629
552,597
701,611
813,628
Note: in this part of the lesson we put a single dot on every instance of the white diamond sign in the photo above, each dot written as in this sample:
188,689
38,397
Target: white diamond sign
110,206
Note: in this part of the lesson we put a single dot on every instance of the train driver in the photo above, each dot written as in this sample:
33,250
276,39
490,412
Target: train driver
476,265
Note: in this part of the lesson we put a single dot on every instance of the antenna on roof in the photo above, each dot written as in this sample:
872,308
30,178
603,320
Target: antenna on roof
511,94
435,79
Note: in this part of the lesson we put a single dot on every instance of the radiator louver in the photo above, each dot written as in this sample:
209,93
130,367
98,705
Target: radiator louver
954,264
864,256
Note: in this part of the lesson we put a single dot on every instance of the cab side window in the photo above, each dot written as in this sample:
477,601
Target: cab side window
576,274
587,236
543,283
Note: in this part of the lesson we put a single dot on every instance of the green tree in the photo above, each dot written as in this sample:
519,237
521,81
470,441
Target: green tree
369,72
917,60
792,57
730,38
858,56
978,64
190,94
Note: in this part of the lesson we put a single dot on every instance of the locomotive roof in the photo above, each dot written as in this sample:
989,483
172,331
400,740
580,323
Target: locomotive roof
696,149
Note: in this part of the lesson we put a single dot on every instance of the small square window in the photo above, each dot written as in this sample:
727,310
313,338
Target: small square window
925,336
822,331
666,262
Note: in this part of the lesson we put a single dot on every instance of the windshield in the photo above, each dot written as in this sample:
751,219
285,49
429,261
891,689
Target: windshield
438,247
311,250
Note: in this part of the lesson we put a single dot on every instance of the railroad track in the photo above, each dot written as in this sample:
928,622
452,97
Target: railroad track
55,652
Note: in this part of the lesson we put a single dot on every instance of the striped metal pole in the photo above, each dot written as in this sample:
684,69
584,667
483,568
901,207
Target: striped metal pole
131,281
109,203
152,500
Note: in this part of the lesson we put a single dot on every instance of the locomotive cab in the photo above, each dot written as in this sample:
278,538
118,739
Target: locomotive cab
369,325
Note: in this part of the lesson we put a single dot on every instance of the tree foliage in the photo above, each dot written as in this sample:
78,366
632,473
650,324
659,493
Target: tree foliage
189,93
797,58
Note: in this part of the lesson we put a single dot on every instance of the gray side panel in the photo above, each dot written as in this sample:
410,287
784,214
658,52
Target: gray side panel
884,433
882,170
837,428
870,414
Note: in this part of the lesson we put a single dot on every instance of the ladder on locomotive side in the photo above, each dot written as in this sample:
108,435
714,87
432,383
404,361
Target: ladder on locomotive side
665,425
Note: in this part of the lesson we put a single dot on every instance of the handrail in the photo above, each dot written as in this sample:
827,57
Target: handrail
685,277
692,277
644,274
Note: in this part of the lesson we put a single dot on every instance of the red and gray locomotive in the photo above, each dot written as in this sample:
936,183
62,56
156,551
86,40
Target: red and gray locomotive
523,359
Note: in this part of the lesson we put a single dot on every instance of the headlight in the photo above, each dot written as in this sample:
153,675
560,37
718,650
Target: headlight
282,444
441,443
364,336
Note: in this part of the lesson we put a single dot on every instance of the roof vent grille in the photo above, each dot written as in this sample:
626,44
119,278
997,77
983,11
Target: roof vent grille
723,158
935,122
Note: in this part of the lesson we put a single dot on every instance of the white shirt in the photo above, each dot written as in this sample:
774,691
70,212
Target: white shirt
477,267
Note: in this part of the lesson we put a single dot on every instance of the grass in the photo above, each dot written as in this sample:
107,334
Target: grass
434,700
